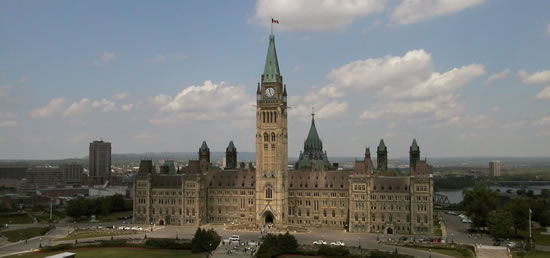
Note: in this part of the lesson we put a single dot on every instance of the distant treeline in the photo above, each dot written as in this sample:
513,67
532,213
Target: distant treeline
454,182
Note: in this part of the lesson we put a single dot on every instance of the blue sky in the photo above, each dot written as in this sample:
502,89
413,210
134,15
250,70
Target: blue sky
466,78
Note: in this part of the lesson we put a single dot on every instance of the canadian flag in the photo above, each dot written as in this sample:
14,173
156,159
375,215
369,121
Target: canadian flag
274,21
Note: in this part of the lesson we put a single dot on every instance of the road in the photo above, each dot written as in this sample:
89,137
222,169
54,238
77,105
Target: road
365,240
458,231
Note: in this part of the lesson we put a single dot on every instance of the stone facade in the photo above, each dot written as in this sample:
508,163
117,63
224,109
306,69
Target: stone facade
363,199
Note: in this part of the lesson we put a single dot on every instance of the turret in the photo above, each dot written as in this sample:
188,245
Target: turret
414,155
382,156
231,156
204,156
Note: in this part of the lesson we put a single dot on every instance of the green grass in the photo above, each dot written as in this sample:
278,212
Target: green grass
96,234
540,239
536,254
15,219
114,215
25,233
456,252
119,252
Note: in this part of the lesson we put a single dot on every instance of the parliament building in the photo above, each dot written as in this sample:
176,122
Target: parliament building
316,193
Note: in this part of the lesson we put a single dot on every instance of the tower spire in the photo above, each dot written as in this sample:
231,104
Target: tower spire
271,69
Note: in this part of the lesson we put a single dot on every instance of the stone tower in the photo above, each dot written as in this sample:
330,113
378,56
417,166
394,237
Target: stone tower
414,155
204,156
382,156
230,156
271,143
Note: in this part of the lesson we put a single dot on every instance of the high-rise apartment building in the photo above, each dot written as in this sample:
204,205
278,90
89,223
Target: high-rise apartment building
100,159
494,168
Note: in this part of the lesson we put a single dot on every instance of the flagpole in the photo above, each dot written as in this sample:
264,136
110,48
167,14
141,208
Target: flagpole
529,223
271,25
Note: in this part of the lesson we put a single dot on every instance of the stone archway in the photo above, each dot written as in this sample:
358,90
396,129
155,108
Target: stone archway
268,217
390,231
161,222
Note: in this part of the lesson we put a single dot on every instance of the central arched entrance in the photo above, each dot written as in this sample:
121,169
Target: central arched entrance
390,231
268,218
161,222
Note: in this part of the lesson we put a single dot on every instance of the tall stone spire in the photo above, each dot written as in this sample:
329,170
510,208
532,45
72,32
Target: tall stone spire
313,157
271,69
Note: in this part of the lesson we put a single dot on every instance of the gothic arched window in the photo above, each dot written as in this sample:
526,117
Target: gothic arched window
268,192
272,137
266,137
263,116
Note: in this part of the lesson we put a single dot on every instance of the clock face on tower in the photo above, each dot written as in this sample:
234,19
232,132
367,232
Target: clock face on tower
269,92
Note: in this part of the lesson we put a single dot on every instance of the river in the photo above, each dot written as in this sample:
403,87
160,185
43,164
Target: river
455,196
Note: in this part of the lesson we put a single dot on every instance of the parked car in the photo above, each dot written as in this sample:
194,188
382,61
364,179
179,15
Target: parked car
451,213
319,242
235,238
512,244
110,227
337,243
134,228
120,227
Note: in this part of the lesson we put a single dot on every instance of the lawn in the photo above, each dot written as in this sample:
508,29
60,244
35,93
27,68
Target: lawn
437,228
25,233
536,254
540,239
15,219
114,216
459,253
97,234
119,252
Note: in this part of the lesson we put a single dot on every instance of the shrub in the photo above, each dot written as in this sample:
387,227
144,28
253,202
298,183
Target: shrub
113,243
205,240
275,245
336,251
53,248
163,243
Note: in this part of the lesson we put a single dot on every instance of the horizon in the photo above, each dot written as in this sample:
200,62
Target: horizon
466,80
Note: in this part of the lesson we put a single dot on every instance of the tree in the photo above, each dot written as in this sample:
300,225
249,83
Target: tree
205,240
479,202
519,211
500,224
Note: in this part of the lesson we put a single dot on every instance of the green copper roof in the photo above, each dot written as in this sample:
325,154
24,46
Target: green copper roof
271,70
231,146
381,145
313,157
204,147
414,146
313,139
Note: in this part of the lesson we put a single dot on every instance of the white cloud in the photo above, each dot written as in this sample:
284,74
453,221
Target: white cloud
104,105
314,15
209,101
105,58
332,109
127,107
498,76
402,86
543,121
9,123
78,108
495,109
544,94
159,59
413,11
7,115
121,95
54,106
534,78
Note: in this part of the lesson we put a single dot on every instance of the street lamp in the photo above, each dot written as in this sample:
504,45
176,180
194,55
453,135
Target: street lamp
430,252
40,243
176,235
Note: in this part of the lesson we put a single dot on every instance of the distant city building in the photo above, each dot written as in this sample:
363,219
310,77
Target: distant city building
39,177
315,194
494,168
100,159
72,173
